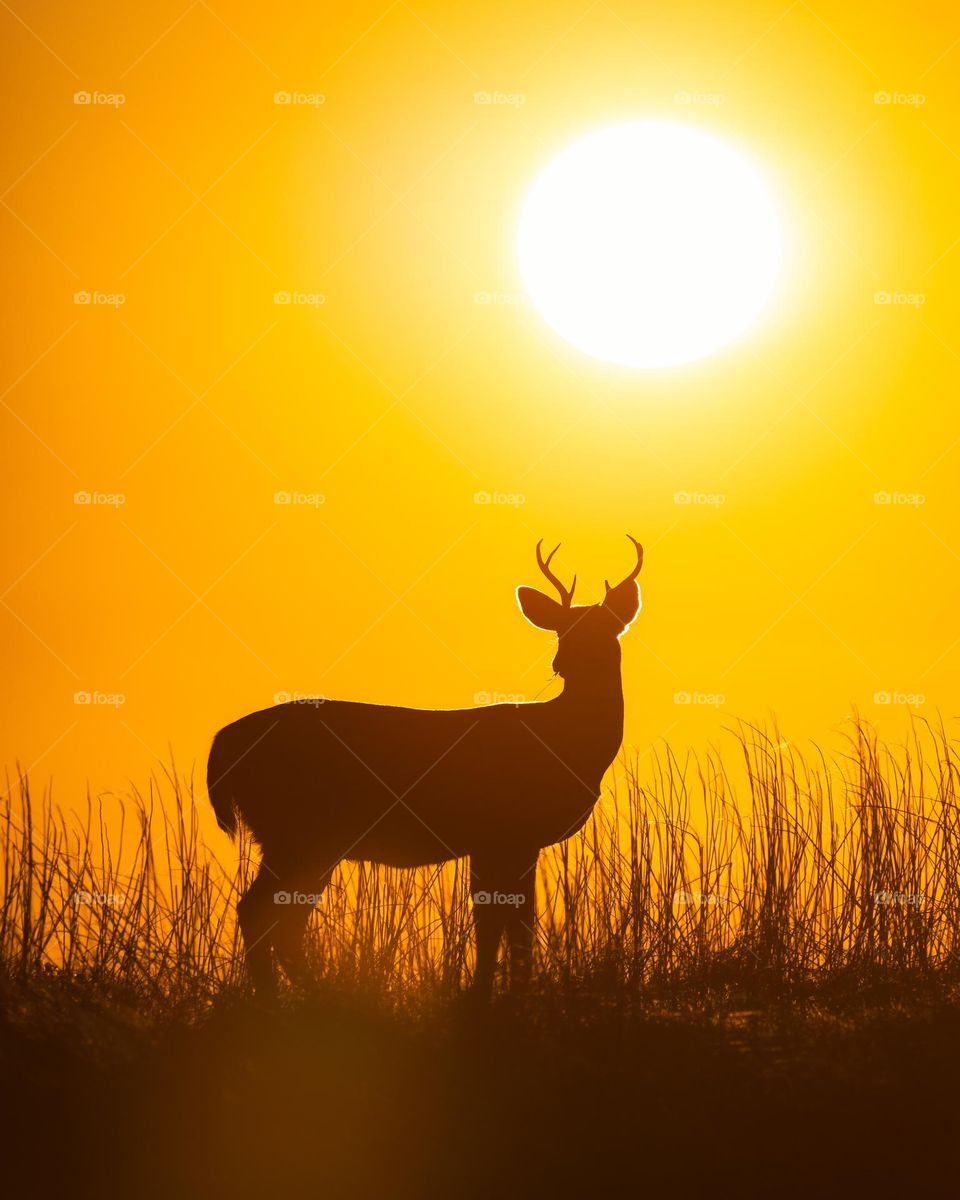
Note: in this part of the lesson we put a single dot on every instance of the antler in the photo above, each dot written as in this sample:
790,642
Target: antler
636,570
566,597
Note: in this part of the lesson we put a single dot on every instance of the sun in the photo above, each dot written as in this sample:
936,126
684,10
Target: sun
649,244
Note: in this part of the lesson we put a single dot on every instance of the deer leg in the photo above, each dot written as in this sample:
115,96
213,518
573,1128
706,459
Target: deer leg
521,921
489,925
288,942
257,916
304,890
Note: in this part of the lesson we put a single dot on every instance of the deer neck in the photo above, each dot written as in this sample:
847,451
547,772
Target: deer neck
594,707
602,689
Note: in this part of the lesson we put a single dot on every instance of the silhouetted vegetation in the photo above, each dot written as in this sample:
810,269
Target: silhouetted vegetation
775,874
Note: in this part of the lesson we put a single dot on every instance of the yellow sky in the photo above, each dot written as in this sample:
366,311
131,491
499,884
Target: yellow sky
386,197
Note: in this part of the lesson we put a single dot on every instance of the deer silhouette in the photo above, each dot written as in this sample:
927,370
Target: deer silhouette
324,781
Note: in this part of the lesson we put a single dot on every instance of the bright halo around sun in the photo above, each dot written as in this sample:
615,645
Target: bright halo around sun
649,244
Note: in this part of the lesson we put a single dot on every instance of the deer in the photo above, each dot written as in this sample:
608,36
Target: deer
323,781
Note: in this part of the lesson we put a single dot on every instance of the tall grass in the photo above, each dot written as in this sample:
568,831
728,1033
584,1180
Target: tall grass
751,870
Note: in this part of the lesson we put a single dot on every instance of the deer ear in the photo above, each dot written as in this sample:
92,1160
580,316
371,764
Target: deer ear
623,601
539,609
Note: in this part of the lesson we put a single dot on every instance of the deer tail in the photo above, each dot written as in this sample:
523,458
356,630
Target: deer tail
218,788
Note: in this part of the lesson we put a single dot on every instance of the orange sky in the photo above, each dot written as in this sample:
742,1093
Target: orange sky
182,198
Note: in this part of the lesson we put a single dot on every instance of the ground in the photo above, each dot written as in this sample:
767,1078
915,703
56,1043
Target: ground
336,1095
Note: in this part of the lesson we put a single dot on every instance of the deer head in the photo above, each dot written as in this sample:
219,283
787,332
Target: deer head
588,633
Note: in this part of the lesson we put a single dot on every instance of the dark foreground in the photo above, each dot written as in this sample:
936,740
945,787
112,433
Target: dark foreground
335,1097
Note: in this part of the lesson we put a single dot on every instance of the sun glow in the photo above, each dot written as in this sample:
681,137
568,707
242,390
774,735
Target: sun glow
649,244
